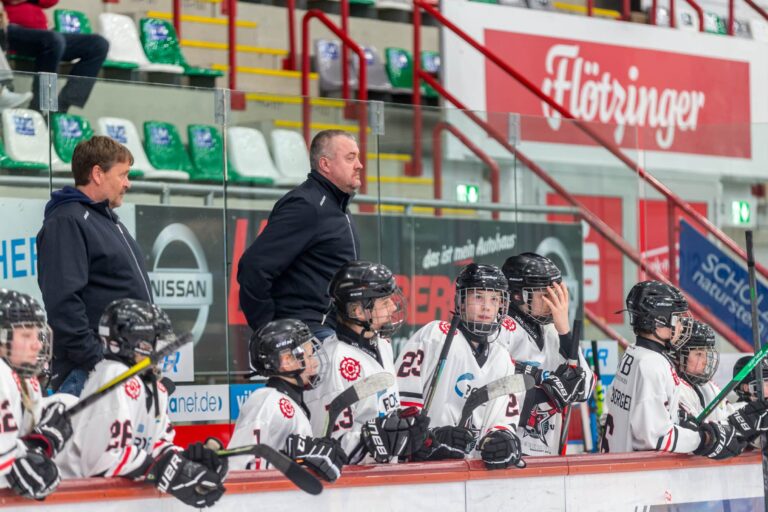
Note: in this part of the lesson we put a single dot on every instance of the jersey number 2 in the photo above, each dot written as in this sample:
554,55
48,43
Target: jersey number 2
411,364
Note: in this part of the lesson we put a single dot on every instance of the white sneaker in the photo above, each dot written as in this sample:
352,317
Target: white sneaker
10,99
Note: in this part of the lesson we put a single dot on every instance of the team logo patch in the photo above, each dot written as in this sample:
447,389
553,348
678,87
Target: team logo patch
286,408
674,376
349,368
509,324
35,384
132,388
444,326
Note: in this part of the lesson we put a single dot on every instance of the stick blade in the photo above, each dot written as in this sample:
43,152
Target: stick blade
290,468
509,385
373,384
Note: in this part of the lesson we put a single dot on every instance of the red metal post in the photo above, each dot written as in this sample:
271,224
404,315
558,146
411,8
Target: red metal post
344,51
699,13
757,9
232,40
672,241
625,10
672,15
654,7
437,157
590,7
362,92
177,18
731,16
289,62
601,324
416,168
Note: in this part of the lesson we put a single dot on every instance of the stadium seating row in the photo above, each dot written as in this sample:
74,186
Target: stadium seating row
162,155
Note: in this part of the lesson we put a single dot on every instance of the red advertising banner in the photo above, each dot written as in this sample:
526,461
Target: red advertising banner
637,98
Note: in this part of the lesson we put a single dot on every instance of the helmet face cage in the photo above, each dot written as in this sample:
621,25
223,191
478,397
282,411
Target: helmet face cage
382,315
19,312
528,293
683,358
131,327
494,300
685,320
298,349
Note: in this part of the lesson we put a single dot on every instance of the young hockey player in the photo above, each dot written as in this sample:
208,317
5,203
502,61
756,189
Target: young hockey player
475,359
747,390
538,337
644,398
275,415
369,308
32,433
129,434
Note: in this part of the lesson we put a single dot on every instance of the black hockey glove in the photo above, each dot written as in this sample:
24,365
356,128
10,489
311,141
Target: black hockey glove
529,369
445,443
205,454
564,385
500,449
324,456
53,430
34,476
189,482
400,432
719,441
751,420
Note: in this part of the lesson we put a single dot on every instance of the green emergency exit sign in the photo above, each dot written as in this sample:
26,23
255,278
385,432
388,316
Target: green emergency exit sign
741,212
467,193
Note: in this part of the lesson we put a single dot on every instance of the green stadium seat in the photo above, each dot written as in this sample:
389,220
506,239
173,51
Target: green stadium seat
164,147
67,21
399,67
158,37
68,130
207,152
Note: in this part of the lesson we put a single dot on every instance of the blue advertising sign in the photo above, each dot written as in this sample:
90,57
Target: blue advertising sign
719,283
238,395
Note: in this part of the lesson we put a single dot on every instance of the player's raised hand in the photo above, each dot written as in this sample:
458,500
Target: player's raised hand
556,299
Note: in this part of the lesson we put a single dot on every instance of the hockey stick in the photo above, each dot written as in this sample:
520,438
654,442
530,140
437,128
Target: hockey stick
508,385
353,394
139,368
573,362
756,342
598,397
430,394
293,471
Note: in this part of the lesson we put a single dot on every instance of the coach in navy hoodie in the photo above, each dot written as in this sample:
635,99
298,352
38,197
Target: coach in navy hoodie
87,258
309,236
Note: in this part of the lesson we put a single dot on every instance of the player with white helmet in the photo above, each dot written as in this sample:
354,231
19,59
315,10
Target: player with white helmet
475,359
129,434
369,308
539,339
31,432
288,354
644,399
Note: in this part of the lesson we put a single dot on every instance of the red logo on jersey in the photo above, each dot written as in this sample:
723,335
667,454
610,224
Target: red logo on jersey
444,326
286,408
132,388
349,368
509,324
35,384
674,375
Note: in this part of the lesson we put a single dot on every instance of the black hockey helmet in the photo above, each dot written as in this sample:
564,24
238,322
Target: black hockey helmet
480,277
285,342
356,286
702,340
752,394
21,311
130,327
654,304
528,273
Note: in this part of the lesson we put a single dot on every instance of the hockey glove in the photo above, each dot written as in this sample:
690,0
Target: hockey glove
445,443
751,420
500,449
203,454
53,430
324,456
189,482
34,476
564,385
400,432
529,369
719,441
687,420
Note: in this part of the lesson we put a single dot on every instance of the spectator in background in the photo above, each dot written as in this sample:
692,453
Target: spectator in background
87,259
28,35
309,236
8,98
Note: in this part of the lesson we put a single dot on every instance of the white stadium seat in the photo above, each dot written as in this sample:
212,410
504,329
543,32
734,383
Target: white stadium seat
291,156
125,45
249,154
26,138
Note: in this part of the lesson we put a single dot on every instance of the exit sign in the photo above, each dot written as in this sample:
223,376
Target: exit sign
467,193
741,212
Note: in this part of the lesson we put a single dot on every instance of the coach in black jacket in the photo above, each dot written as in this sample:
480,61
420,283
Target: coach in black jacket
87,258
308,237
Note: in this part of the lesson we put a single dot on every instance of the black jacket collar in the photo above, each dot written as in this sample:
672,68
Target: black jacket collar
295,393
341,198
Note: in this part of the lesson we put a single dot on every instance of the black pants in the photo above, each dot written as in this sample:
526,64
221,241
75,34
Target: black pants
50,48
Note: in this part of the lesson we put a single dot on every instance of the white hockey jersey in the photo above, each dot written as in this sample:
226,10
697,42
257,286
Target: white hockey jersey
462,375
642,403
540,426
693,399
15,420
348,364
117,435
268,417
